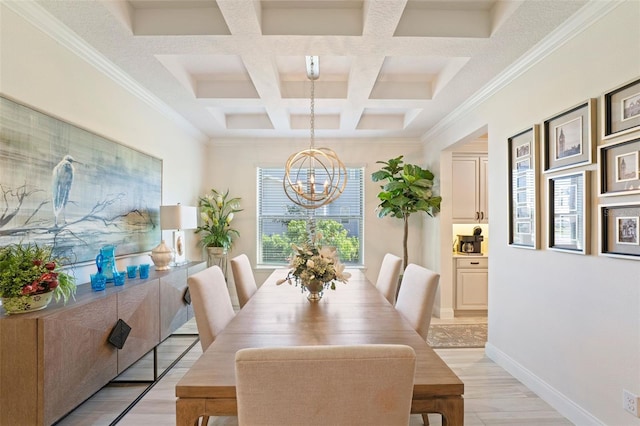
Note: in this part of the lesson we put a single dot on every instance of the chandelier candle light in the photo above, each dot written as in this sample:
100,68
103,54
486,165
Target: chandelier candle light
305,170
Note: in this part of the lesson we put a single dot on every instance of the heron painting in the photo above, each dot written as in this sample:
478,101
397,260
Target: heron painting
61,182
99,191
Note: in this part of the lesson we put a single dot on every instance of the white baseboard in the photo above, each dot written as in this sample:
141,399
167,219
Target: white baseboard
549,394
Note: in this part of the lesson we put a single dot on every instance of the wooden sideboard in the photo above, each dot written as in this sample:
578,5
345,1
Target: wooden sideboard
53,360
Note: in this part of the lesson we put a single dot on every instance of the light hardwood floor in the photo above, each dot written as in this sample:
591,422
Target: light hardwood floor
492,396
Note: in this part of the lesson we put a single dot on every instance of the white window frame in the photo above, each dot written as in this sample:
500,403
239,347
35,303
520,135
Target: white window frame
355,176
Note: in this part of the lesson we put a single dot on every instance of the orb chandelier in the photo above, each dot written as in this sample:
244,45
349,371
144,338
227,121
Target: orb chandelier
314,177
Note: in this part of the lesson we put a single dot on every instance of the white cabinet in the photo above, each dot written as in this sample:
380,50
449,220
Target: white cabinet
471,275
470,193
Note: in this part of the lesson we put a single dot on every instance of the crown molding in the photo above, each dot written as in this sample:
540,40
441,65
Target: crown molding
52,27
590,13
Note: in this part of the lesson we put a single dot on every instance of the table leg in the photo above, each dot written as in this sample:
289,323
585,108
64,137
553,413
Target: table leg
189,411
451,408
453,412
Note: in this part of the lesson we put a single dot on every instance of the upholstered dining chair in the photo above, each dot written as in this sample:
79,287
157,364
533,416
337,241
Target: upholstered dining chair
325,385
388,277
211,303
244,279
416,297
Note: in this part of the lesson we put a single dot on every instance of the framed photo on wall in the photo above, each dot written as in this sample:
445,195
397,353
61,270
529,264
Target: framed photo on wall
621,109
569,137
619,167
523,191
619,226
569,212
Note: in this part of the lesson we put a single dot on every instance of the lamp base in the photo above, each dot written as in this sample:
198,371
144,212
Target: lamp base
180,255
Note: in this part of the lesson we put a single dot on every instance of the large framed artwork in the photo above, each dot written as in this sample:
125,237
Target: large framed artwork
67,187
619,167
523,189
620,230
569,137
621,109
569,212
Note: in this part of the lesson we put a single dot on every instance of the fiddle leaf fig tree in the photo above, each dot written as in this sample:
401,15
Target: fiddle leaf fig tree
407,189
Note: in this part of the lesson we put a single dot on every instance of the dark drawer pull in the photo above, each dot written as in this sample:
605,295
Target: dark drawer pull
119,334
475,263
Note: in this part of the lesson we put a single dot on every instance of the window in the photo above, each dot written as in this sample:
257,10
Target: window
282,222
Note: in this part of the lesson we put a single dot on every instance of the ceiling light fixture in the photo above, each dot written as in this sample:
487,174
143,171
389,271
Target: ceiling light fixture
314,177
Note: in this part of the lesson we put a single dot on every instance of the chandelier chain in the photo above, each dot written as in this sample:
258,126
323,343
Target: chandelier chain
313,105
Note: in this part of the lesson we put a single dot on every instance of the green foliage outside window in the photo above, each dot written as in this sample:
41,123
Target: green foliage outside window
276,248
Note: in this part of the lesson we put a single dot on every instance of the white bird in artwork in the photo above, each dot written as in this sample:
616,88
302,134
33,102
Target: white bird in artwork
61,184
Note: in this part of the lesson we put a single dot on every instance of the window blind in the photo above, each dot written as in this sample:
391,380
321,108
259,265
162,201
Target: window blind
282,222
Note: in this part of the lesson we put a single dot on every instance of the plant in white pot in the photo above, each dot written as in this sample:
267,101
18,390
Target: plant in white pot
30,276
217,211
408,189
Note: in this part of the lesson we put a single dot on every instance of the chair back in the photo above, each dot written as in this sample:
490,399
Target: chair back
211,303
325,385
416,297
244,279
388,277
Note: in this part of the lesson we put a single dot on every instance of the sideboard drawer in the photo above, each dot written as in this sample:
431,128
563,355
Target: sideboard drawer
472,262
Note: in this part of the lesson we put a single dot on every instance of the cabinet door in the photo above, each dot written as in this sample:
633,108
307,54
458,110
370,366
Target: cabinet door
194,269
484,190
465,195
173,308
471,289
77,359
138,306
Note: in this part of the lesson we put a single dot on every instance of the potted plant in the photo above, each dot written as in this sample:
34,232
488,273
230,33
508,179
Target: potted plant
30,276
217,211
408,189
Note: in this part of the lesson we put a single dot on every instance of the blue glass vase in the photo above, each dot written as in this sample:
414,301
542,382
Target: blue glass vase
106,262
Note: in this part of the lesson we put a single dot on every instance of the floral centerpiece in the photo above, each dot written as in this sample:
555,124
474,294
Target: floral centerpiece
315,268
217,213
30,276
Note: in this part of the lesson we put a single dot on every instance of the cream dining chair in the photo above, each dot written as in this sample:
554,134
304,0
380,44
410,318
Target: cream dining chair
211,303
244,279
388,277
325,385
415,301
416,297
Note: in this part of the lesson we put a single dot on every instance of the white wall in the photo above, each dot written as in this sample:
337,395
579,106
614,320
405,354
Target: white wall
567,325
234,168
40,73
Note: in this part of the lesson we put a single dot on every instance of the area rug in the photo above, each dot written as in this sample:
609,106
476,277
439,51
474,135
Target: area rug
457,335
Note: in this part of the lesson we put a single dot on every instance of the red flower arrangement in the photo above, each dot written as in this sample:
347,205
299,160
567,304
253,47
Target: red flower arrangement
27,270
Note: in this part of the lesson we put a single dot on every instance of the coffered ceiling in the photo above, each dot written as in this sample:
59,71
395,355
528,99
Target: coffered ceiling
236,68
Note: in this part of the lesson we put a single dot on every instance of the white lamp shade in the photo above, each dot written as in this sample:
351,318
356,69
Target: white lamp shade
178,217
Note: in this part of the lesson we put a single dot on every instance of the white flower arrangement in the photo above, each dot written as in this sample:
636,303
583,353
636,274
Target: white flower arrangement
311,263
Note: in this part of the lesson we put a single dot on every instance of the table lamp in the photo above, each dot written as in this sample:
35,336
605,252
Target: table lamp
178,218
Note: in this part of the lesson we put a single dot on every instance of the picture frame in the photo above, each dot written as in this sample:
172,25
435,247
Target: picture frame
568,212
619,228
105,193
619,167
523,189
621,109
569,137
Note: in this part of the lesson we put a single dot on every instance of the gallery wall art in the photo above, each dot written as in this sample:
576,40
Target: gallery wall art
523,189
70,188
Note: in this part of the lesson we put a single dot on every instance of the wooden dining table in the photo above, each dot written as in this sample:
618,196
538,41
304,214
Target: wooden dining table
280,315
